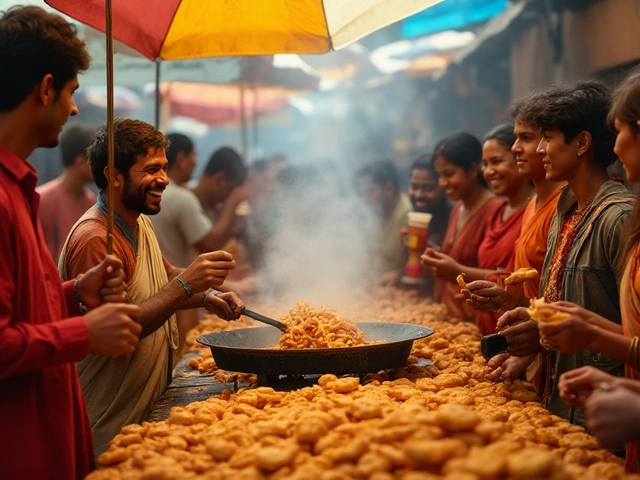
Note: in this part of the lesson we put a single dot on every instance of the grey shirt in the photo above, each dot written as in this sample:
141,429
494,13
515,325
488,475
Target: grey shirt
592,275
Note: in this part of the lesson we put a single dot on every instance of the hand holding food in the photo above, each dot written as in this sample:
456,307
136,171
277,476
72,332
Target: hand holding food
489,297
540,312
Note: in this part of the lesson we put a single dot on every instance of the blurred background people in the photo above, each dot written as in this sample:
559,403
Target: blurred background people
379,187
220,190
426,197
64,200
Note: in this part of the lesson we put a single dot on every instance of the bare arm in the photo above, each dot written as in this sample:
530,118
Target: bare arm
220,232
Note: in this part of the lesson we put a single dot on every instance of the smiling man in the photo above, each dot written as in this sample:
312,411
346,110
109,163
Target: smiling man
123,390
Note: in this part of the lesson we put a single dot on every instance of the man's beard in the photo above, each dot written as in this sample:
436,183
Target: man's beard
136,200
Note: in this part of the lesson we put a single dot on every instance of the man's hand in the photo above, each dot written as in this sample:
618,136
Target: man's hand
388,279
440,265
522,333
103,283
208,270
576,386
227,306
113,329
238,195
507,367
488,297
614,416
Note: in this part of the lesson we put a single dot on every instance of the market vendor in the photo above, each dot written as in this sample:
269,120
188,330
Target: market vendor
44,420
122,391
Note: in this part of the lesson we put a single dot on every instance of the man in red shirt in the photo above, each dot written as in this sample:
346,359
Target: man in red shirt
42,412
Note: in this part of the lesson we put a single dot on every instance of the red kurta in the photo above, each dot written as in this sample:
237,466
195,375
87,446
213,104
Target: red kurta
497,252
46,431
463,248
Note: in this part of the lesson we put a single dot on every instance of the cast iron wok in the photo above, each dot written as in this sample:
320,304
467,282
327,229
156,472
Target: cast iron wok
248,350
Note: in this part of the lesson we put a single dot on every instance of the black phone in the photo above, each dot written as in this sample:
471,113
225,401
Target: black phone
492,345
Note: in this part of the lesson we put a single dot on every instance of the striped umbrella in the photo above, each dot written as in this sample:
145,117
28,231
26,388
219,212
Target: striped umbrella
180,29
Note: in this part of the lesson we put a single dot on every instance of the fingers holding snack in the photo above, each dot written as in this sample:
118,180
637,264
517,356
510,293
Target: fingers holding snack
521,275
540,312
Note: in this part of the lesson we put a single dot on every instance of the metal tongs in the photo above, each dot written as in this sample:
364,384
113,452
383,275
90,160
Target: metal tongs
261,318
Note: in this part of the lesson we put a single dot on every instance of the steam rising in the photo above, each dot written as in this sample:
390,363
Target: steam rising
319,238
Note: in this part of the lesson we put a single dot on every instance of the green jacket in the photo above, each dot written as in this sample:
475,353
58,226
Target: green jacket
592,275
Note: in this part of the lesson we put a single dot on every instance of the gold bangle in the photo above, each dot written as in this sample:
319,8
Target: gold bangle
633,353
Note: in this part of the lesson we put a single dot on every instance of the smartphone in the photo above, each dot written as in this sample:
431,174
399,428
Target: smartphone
492,345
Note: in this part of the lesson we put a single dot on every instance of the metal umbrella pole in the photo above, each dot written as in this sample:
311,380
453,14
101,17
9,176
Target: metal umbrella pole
110,142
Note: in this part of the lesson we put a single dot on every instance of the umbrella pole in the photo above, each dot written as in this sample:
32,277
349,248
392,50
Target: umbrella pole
110,142
158,99
255,117
243,123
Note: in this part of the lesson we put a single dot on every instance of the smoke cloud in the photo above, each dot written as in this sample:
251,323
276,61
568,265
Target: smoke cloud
318,237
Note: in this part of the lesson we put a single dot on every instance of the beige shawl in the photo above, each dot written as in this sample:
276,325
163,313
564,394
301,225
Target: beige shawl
121,391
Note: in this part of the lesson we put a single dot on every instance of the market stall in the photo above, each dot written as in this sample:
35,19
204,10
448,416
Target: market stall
437,417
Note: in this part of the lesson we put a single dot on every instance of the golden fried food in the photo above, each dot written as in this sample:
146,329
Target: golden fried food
539,312
460,280
521,275
311,328
420,422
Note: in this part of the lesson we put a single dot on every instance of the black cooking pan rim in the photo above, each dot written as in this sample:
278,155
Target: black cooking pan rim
426,331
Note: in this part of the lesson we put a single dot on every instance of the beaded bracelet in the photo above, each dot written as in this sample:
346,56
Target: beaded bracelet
81,306
185,286
206,295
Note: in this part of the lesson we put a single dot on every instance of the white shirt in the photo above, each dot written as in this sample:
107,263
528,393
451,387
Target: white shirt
180,224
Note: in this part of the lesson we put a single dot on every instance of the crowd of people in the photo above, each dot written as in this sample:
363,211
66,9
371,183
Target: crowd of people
88,347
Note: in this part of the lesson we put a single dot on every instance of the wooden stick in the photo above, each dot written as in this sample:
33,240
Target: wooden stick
110,153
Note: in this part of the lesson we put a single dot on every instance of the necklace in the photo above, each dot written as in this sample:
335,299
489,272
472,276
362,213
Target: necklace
568,235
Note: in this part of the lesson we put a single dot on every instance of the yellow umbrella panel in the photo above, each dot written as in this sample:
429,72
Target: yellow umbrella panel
180,29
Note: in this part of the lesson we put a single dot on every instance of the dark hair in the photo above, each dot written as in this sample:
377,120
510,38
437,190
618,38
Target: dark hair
461,149
580,107
503,134
260,166
179,143
34,43
382,172
625,103
423,162
228,161
132,139
74,141
626,107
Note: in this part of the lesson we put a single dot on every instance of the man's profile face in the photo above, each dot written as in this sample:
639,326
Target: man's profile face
57,111
145,182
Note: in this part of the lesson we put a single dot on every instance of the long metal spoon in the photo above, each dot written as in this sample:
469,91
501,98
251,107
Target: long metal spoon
263,319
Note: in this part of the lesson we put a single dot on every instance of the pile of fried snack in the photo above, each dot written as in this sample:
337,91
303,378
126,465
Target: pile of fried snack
416,423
